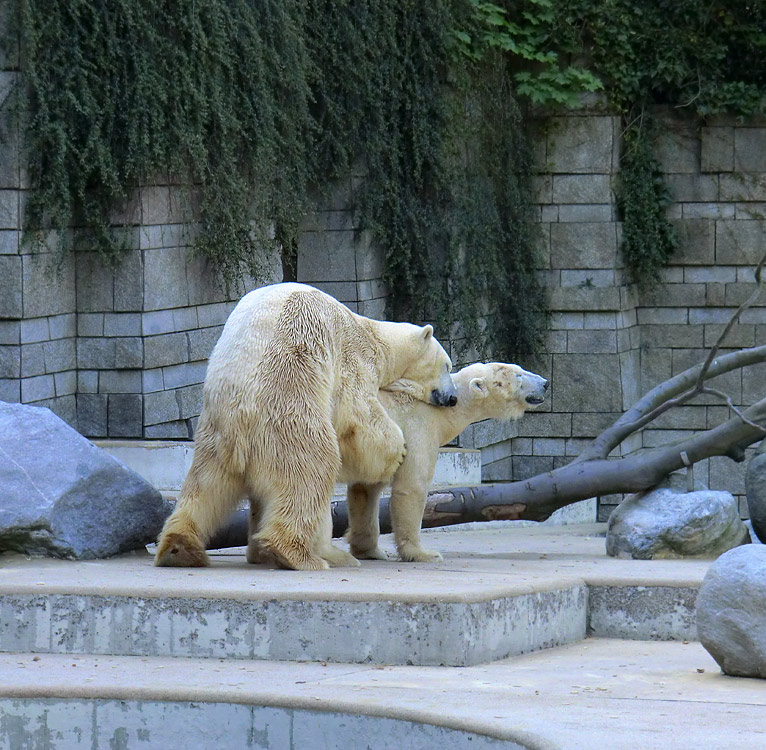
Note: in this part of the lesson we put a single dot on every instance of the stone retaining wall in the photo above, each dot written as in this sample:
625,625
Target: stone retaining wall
121,351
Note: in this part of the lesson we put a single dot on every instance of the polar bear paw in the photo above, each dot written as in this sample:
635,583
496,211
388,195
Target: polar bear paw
416,553
179,551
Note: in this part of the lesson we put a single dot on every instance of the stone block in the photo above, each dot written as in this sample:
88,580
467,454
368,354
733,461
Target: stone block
9,240
708,211
581,145
583,245
63,326
549,214
498,471
211,315
662,316
10,331
525,467
588,277
345,291
152,381
715,294
586,382
178,430
743,187
189,401
753,315
589,425
95,283
32,360
730,382
160,321
567,320
740,242
66,385
161,406
551,424
129,283
185,319
92,414
581,188
167,349
128,352
90,324
327,256
10,287
750,149
122,324
586,212
753,383
693,188
542,188
124,413
372,308
37,388
9,209
696,242
10,366
120,381
736,294
717,149
60,355
370,260
96,353
585,298
677,147
727,475
178,376
34,330
10,390
205,287
674,295
87,381
202,341
746,211
630,374
709,315
549,447
165,283
592,341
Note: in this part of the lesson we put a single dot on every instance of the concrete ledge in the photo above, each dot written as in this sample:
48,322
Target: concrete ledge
656,613
83,724
381,632
165,463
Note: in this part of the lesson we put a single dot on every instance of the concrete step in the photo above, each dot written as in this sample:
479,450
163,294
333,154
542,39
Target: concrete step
164,463
598,692
487,600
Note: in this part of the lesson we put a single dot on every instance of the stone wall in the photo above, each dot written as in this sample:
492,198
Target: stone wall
121,351
607,346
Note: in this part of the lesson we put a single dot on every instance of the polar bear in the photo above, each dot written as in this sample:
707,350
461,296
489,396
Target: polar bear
484,391
291,393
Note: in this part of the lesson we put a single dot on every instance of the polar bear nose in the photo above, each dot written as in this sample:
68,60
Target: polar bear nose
546,384
440,398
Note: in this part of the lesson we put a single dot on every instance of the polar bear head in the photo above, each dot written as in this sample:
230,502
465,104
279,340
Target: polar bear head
506,390
426,376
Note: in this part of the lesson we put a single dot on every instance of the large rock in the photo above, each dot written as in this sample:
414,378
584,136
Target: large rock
731,611
755,489
64,497
665,523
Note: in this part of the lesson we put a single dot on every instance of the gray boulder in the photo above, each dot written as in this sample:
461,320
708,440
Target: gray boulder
755,489
64,497
731,611
666,523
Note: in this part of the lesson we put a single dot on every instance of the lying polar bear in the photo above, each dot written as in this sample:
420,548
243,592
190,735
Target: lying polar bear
484,391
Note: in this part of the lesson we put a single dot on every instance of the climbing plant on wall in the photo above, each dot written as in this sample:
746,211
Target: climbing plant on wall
703,58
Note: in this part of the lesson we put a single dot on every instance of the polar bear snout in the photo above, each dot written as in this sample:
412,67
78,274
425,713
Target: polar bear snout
439,398
446,393
539,390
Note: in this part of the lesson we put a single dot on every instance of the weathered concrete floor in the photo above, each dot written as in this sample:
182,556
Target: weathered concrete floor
598,692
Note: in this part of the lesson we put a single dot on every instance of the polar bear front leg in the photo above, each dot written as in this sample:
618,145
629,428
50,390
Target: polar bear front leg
372,445
363,502
407,506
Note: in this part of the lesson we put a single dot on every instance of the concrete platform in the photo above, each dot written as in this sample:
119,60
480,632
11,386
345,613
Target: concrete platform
109,653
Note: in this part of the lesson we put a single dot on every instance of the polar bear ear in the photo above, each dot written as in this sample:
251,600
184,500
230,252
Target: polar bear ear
478,387
426,332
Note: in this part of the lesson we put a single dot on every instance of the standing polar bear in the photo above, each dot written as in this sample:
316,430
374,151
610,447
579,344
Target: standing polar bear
484,391
290,395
